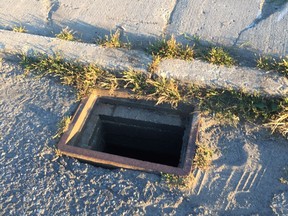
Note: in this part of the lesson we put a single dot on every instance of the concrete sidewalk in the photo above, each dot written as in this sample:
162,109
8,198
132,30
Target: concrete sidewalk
260,26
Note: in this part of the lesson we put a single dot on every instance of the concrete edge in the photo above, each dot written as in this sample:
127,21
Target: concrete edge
108,58
248,79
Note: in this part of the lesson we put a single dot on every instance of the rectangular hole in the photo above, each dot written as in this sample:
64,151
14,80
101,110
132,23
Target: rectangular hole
142,140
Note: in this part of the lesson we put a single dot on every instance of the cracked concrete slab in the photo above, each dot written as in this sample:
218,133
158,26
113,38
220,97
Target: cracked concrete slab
218,21
269,33
228,22
139,21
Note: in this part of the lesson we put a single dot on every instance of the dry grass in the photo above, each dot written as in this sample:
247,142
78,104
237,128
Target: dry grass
203,157
83,77
219,56
271,64
113,41
224,104
165,90
178,182
62,126
136,81
279,122
66,34
20,29
171,49
153,67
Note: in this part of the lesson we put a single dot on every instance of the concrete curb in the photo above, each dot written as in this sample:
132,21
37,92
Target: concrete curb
247,79
198,72
108,58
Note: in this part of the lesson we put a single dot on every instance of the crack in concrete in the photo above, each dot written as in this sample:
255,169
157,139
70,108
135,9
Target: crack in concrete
267,8
169,20
52,6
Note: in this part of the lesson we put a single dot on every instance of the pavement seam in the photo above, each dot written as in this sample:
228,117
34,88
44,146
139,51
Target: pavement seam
52,7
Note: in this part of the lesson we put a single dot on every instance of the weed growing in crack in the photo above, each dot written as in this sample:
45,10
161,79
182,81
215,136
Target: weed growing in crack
113,41
66,34
271,64
154,65
62,126
219,56
178,182
20,29
165,90
265,63
136,81
171,49
284,179
279,122
202,161
203,157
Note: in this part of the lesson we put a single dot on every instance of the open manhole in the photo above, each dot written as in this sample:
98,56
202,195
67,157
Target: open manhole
115,130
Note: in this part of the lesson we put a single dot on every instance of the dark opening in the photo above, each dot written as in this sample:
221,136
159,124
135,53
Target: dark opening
136,139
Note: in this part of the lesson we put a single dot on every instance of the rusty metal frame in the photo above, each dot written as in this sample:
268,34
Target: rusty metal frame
105,159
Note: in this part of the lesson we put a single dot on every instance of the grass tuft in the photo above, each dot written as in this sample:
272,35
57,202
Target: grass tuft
83,77
62,126
235,105
203,157
271,64
153,67
179,182
66,34
219,56
136,81
279,122
20,29
165,90
171,49
113,41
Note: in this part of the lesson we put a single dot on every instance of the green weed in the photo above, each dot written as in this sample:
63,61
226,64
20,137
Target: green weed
165,90
66,34
62,126
236,105
279,122
171,49
113,41
271,64
224,104
83,77
136,81
203,157
219,56
179,182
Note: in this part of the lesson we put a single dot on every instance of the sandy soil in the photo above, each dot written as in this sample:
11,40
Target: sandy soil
244,179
